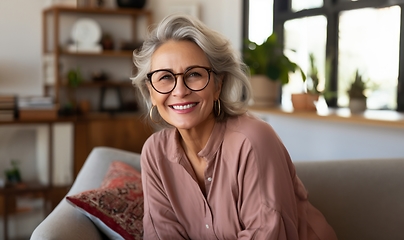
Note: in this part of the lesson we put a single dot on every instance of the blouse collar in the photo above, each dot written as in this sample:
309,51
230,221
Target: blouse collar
212,146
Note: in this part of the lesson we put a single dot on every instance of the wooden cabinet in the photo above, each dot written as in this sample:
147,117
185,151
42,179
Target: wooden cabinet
125,132
58,60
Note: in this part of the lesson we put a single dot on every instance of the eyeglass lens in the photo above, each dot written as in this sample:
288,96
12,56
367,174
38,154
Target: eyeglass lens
196,79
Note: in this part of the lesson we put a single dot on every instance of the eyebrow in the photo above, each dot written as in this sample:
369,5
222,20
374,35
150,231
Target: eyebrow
186,69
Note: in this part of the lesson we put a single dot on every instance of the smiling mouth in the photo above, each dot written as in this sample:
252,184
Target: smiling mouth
183,107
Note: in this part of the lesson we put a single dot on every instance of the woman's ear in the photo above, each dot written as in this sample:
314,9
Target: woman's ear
150,88
219,86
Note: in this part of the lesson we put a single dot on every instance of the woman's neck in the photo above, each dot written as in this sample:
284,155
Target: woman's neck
195,139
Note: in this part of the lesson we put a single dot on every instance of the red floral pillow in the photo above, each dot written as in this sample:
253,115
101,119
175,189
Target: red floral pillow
117,205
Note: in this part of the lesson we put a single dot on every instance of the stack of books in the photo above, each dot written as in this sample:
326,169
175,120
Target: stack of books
36,108
48,69
8,107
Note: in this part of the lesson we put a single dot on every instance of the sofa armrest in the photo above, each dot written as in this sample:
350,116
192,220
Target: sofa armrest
361,199
66,222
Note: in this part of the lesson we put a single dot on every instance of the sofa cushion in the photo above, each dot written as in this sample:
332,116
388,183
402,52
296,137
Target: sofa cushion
117,206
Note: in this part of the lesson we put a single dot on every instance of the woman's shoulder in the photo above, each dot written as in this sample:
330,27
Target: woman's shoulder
160,145
250,128
249,124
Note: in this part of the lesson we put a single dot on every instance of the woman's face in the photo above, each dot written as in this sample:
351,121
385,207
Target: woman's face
183,108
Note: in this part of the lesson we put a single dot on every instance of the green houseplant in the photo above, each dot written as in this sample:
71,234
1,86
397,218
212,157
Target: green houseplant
358,87
268,59
13,174
356,93
269,69
74,79
305,101
313,76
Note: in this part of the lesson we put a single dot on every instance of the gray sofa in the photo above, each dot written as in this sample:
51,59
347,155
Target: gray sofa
361,199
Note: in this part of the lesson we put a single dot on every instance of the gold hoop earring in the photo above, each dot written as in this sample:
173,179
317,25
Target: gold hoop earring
151,114
217,107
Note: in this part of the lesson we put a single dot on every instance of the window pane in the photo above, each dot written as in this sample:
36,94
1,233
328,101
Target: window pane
260,20
304,36
298,5
369,41
352,0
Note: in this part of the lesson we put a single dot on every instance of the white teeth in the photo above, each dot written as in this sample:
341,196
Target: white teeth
182,107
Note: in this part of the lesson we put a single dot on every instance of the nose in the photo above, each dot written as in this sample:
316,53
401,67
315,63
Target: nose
180,89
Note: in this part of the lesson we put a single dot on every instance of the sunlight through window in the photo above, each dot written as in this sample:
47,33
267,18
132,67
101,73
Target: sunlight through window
260,20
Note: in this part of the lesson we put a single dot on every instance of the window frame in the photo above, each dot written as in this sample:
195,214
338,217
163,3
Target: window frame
331,10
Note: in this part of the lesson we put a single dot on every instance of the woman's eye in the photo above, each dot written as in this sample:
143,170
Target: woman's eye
166,77
194,74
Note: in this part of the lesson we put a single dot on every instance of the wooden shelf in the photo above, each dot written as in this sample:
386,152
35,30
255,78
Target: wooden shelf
74,118
106,84
98,84
52,44
8,197
104,53
104,11
384,118
36,121
23,189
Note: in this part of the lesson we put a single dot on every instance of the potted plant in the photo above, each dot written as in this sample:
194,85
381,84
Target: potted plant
269,68
357,97
13,174
74,79
327,92
306,101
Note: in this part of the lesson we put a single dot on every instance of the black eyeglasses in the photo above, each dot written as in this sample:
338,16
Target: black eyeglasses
195,78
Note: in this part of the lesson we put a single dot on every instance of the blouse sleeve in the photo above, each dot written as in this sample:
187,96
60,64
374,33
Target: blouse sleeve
267,204
159,220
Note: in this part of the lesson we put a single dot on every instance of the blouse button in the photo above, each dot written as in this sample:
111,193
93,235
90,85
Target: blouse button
207,226
209,179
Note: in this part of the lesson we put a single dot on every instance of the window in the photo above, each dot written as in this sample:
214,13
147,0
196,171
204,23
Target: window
260,23
369,41
298,5
304,36
352,35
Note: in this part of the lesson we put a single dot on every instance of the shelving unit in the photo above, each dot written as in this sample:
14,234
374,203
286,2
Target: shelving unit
124,131
46,192
52,44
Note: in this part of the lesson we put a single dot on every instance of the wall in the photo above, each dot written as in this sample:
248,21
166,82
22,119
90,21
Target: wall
224,16
20,46
21,39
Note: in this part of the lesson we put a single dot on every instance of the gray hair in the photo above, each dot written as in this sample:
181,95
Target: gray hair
225,61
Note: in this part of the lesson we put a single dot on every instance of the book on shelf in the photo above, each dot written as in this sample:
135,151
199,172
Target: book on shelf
35,102
7,115
7,98
37,108
8,107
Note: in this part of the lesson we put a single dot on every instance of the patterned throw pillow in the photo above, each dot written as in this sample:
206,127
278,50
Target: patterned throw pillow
117,206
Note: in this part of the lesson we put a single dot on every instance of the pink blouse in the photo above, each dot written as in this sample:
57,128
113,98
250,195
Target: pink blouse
252,191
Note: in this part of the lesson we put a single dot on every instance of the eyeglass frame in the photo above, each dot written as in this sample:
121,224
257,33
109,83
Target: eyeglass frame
208,69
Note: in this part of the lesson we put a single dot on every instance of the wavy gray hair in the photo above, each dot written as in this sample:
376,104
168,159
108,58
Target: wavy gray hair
224,60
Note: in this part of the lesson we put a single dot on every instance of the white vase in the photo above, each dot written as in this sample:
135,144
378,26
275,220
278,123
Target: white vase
357,105
265,91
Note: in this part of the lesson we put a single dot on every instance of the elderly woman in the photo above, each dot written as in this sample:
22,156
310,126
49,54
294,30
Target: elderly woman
213,171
